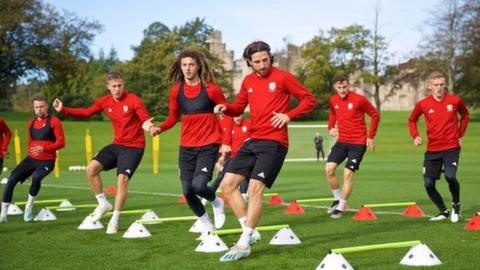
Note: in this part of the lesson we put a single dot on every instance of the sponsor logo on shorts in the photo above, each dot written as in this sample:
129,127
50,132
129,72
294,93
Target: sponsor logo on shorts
454,164
354,160
46,168
128,171
262,175
204,169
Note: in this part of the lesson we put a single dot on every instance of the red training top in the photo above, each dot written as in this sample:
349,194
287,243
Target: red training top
240,134
349,115
441,117
49,147
266,95
127,116
5,136
198,129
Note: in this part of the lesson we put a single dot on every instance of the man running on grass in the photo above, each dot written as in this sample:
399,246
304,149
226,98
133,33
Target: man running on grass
127,113
347,122
267,91
444,133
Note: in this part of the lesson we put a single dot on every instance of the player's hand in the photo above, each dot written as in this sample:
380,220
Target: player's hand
279,120
219,109
460,142
371,144
333,132
58,105
154,131
36,150
225,149
5,154
148,125
417,141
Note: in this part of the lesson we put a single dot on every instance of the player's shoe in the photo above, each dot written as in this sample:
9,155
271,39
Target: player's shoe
27,216
455,216
112,228
100,211
255,237
440,216
336,214
235,253
333,206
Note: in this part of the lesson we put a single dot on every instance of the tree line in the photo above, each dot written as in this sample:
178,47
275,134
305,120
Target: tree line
47,51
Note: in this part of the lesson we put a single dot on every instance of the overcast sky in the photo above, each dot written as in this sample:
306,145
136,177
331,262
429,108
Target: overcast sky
401,21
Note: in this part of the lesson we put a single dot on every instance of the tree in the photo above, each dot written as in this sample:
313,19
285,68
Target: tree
147,71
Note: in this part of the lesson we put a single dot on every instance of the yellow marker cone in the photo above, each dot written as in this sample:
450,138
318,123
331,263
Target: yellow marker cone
155,153
18,151
88,146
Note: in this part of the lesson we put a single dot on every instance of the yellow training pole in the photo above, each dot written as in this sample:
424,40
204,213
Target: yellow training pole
88,146
56,171
155,153
18,151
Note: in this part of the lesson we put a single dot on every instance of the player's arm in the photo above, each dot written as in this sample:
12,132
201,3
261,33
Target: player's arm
332,120
173,113
374,121
464,118
78,112
6,137
412,124
59,136
306,100
237,107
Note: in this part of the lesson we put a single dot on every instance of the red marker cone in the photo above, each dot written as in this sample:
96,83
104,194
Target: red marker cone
413,211
365,214
275,200
182,199
111,190
473,224
294,208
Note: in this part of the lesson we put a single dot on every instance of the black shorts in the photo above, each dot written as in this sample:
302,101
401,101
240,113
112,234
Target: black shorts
352,152
195,161
32,167
433,162
1,165
125,159
260,160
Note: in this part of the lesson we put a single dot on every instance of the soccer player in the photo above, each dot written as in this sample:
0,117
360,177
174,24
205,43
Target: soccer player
127,113
318,140
347,122
267,92
194,96
444,133
45,137
5,136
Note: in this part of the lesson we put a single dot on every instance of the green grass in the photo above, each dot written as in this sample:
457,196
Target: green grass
390,174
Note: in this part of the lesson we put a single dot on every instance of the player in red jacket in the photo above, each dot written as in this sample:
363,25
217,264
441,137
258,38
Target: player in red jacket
267,91
444,133
45,137
5,136
347,122
127,113
194,96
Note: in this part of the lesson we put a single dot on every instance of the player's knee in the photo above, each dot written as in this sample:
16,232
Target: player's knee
92,170
330,170
429,183
199,183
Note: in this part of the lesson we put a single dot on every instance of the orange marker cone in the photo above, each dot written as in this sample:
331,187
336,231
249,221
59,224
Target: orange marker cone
111,190
413,211
182,199
473,224
294,208
275,200
364,214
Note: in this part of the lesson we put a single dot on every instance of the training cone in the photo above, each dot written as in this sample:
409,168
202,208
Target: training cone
45,215
211,243
136,230
197,227
111,190
364,214
413,211
285,236
66,205
88,224
420,255
275,200
334,261
14,210
182,199
4,181
294,208
472,225
149,215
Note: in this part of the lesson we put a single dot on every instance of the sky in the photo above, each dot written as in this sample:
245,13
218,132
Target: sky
402,22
